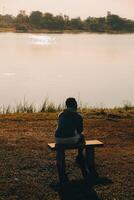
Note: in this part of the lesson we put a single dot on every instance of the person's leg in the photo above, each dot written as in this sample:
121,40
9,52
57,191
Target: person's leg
80,157
60,158
81,162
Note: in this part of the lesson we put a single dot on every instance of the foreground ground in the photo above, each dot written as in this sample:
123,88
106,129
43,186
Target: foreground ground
28,170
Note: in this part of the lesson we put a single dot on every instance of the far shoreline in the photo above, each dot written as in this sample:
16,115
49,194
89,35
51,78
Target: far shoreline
46,31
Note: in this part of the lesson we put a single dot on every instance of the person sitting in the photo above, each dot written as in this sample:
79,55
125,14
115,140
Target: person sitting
69,132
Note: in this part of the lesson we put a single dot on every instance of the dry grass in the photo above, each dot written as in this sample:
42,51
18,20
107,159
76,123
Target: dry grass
28,170
125,111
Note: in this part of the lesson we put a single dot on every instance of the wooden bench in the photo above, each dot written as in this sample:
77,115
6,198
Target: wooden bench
88,144
88,166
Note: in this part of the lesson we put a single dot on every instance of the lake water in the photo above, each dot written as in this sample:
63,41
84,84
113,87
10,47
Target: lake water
97,69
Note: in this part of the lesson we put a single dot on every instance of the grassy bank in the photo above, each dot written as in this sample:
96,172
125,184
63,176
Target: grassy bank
7,29
28,170
125,111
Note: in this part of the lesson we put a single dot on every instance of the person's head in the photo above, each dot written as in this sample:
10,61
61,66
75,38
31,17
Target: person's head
71,103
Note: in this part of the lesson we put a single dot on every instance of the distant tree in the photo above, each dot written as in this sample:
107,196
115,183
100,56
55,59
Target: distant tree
22,19
66,22
101,24
87,23
6,21
95,24
128,25
48,16
39,20
52,22
114,22
47,21
9,19
59,22
22,23
76,23
35,19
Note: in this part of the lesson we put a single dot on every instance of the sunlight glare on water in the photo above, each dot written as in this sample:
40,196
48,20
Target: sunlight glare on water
42,39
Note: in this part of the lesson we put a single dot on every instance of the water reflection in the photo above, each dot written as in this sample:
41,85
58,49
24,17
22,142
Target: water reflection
42,40
8,74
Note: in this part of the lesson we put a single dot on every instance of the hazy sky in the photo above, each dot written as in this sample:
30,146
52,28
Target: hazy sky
73,8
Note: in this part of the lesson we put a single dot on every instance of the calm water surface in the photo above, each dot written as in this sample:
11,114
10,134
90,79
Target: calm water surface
96,68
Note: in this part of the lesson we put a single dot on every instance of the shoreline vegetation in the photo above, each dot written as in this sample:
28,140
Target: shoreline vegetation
47,31
38,22
51,109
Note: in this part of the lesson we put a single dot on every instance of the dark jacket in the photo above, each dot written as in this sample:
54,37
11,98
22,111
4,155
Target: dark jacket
68,123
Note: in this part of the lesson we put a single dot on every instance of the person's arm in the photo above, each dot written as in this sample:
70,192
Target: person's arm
80,124
80,131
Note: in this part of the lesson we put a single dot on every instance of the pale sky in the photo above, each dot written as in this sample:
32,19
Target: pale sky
73,8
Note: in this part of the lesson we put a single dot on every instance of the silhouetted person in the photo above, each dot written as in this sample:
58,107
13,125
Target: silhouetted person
69,132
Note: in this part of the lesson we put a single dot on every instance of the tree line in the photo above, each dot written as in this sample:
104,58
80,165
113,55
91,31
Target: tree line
39,20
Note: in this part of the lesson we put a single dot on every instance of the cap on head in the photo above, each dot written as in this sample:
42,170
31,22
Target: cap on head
71,103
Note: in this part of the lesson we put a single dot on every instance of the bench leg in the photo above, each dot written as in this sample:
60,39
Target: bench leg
60,159
90,160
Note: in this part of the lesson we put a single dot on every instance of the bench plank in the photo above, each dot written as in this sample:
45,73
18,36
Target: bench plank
89,143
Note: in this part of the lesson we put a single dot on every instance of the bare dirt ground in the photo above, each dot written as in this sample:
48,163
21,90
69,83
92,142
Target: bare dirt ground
28,170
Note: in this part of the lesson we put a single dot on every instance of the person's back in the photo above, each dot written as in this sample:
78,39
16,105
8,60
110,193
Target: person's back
70,123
